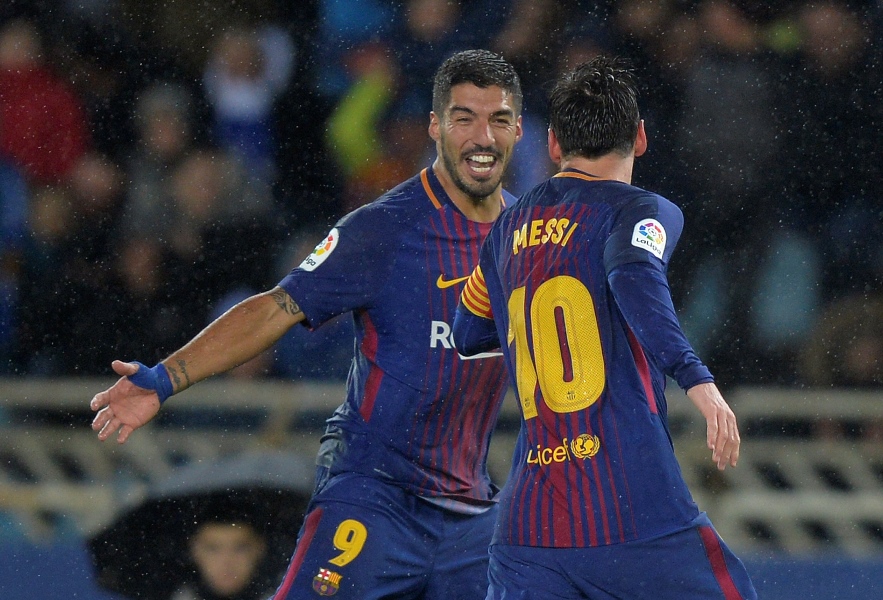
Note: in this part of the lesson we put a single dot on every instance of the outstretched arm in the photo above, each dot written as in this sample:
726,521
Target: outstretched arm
642,294
235,337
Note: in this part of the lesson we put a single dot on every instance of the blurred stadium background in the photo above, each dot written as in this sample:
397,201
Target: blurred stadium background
161,160
805,513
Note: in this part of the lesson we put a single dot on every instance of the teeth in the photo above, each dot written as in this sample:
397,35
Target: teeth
482,158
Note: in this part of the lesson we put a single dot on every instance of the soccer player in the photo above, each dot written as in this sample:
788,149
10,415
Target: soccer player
403,505
572,284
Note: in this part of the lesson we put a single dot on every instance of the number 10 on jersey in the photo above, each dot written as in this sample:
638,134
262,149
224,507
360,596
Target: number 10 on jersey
566,343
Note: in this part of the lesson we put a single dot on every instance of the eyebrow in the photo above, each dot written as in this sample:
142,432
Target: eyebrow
505,112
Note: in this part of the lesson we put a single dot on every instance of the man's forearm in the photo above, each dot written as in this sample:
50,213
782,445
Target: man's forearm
235,337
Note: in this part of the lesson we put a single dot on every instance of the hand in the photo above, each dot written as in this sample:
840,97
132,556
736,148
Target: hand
722,432
124,407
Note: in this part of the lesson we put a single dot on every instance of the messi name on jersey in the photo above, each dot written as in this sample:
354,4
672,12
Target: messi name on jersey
542,231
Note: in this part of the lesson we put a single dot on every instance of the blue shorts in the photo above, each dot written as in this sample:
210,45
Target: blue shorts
366,539
692,564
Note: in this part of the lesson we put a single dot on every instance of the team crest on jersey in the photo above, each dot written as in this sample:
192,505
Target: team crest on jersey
650,235
322,251
326,582
585,446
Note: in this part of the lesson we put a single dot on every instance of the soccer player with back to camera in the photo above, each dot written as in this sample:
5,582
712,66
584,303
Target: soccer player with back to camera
572,281
403,505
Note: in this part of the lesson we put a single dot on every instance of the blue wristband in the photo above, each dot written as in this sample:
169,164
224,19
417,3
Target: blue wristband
156,379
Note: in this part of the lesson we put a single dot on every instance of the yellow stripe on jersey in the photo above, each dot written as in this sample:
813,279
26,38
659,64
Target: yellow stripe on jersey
475,297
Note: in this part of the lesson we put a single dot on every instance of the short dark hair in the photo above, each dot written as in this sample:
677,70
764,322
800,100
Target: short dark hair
481,68
229,508
593,109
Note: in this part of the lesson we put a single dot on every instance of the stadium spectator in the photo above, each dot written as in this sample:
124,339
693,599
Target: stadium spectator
199,201
245,74
226,552
846,347
727,139
825,206
818,89
829,102
165,132
355,135
217,227
426,33
343,26
663,40
50,241
68,267
141,313
845,350
92,45
43,124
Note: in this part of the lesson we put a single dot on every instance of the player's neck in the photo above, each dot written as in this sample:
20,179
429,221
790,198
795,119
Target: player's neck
609,166
485,210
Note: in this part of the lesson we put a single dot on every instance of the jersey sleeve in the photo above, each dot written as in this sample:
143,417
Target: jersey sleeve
644,299
347,268
474,329
475,297
645,229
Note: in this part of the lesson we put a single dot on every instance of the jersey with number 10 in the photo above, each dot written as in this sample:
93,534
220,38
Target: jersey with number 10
594,463
416,414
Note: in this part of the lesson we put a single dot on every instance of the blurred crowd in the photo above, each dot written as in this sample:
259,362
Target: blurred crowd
160,161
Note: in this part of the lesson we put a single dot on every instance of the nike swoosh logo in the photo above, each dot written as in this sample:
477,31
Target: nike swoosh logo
443,283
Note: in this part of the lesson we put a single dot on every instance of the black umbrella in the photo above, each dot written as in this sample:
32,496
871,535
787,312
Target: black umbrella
143,554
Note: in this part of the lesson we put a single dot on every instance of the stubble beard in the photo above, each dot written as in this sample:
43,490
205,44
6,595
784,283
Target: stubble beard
478,192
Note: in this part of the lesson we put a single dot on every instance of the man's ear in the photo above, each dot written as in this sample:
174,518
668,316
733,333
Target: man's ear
433,126
554,148
641,139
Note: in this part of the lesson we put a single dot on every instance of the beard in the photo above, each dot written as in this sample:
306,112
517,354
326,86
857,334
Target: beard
476,191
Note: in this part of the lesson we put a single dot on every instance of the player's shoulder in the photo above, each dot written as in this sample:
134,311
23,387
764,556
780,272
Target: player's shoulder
632,197
648,213
391,210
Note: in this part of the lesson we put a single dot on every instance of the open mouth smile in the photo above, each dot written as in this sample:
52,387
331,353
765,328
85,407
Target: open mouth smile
481,164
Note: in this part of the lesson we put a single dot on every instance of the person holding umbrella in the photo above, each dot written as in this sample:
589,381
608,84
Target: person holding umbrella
403,505
226,551
210,530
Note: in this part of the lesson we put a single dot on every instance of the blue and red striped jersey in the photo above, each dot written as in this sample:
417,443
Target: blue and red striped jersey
594,463
422,414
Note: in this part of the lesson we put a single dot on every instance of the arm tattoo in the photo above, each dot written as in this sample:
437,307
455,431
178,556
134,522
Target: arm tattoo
183,366
285,302
176,376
